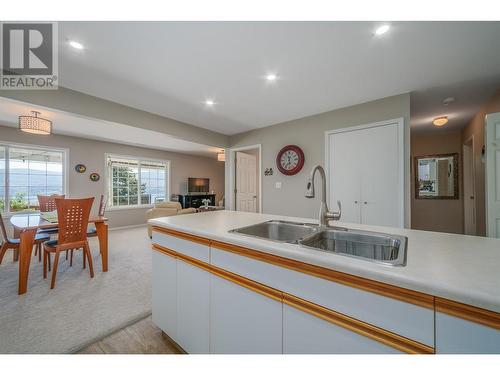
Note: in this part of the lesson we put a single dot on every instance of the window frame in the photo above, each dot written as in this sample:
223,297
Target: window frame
139,159
65,168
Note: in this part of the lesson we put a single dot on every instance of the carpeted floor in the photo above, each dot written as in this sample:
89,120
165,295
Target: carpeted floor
80,310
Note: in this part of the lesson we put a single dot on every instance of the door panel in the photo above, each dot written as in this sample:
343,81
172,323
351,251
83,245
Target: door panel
164,294
243,321
493,175
246,182
365,174
193,308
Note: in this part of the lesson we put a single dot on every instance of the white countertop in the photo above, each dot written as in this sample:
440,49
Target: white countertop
461,268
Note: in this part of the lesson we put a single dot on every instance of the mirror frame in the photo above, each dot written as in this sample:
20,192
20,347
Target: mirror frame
455,176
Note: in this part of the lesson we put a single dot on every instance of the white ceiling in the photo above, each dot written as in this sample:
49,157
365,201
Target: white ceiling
78,126
170,68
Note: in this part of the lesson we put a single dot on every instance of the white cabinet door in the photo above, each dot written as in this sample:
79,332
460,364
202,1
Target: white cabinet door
305,334
366,173
243,321
164,294
193,308
459,336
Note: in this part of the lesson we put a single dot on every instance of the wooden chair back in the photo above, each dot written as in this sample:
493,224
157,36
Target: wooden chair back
73,219
2,227
102,206
47,203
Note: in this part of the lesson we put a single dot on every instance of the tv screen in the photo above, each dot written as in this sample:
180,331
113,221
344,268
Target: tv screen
198,185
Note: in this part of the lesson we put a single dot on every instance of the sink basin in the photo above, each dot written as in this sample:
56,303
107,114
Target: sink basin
277,230
371,246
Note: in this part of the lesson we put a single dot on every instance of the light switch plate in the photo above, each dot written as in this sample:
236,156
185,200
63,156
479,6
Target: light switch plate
277,185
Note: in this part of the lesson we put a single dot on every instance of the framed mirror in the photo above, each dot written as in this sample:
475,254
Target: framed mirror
436,176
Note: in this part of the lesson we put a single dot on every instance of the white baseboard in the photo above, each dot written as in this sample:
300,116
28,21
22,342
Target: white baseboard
128,227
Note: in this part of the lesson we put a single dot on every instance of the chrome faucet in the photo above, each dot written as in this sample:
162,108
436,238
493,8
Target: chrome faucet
324,214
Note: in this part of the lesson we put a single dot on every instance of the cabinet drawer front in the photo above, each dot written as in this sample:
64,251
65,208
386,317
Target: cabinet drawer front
307,334
192,249
243,321
459,336
405,319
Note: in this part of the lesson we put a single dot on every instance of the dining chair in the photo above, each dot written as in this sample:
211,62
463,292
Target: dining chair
47,203
13,243
73,218
102,210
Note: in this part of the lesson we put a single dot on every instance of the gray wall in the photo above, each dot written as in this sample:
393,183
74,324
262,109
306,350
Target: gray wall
90,106
91,153
309,134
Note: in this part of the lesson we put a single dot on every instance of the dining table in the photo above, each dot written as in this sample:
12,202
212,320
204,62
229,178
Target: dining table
25,227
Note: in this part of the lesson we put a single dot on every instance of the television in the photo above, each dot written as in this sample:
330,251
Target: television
198,185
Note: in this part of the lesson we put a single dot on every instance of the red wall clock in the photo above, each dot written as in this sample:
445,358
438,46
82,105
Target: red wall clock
290,160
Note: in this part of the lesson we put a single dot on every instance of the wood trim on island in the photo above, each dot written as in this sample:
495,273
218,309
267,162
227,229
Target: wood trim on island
182,235
362,328
368,330
468,312
387,290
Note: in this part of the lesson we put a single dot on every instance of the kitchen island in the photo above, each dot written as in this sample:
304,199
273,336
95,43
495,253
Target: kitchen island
220,292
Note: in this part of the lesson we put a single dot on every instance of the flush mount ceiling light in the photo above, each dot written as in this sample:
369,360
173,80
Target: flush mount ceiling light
382,29
209,103
75,44
34,124
271,77
440,121
221,156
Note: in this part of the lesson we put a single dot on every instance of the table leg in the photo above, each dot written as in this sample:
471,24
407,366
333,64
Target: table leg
102,234
25,248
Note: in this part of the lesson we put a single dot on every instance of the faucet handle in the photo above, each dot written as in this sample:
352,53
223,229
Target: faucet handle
337,215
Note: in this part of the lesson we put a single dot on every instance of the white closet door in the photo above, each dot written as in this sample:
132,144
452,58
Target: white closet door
345,175
380,180
366,171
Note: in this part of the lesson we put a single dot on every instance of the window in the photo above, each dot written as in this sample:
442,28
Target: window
26,172
136,182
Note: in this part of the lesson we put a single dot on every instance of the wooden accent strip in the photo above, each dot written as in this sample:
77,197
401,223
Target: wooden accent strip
237,279
387,290
378,334
182,235
385,337
467,312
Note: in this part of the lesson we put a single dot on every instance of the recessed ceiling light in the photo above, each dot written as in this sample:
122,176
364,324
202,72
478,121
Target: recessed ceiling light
271,77
75,44
440,121
382,29
209,102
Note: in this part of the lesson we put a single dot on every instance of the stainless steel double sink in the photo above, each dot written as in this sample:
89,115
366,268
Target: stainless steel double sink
376,247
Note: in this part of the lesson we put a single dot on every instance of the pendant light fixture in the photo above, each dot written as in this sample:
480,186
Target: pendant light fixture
34,124
221,156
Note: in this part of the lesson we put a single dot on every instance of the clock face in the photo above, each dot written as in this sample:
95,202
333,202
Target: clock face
290,160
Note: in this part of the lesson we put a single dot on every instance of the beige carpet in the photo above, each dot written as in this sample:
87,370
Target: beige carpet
80,310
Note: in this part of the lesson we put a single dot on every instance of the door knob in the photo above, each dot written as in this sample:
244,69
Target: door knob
365,202
356,202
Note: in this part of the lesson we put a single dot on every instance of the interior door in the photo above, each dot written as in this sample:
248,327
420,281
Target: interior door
366,174
493,175
246,182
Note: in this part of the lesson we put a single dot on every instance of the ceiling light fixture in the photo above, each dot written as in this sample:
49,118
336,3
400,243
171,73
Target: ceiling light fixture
271,77
209,102
34,124
75,44
440,121
382,29
221,156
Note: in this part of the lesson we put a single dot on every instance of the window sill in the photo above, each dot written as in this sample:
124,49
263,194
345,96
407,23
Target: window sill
136,207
